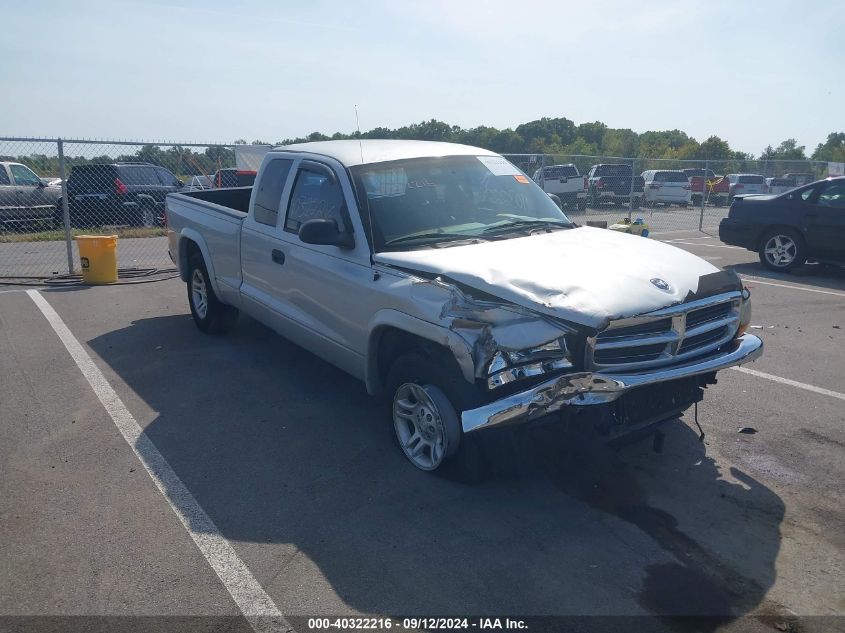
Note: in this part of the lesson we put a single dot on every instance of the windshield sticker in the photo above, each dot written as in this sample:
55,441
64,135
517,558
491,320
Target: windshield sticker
498,166
385,183
523,179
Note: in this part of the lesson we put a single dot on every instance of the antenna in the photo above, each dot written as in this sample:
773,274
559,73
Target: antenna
367,202
358,125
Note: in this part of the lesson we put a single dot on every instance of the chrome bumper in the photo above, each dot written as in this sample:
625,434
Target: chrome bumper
584,389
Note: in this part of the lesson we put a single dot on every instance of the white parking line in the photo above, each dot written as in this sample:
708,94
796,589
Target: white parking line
791,383
683,239
254,603
673,232
757,280
688,243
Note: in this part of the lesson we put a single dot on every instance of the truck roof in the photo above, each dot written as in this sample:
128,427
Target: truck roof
349,152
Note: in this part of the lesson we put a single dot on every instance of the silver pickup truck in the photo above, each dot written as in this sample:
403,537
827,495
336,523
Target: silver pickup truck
445,279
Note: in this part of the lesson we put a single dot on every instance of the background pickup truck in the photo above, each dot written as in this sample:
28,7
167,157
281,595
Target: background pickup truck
612,183
565,182
450,283
716,188
25,199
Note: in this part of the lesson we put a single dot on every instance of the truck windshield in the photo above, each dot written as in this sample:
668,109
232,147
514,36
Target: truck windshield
423,202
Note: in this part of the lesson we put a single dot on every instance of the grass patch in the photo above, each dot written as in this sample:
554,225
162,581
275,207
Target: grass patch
58,235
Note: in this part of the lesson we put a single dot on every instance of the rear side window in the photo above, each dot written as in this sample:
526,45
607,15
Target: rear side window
752,180
269,194
780,182
314,197
166,178
141,175
670,176
92,178
4,177
833,195
562,171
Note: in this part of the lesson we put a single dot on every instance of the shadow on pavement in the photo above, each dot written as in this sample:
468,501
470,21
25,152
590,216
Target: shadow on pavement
816,275
279,447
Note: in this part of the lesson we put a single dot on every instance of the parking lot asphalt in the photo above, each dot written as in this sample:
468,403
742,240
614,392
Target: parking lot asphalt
294,466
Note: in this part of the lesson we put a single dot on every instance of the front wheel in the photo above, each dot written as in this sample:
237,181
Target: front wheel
782,250
428,394
209,313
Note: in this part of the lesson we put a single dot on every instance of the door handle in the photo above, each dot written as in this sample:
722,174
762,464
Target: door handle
278,256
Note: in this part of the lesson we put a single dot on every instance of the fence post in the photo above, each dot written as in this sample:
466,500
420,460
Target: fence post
631,192
703,195
65,209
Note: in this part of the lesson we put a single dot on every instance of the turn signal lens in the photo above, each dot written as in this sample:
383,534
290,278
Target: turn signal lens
744,312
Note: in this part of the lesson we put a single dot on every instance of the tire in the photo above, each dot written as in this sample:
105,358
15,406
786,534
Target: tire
782,250
635,203
556,199
427,394
582,205
209,313
146,217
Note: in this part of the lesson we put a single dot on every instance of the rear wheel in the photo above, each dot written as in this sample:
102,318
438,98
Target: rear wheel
782,250
209,313
146,216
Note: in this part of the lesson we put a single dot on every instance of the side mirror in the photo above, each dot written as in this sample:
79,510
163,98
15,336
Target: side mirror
42,183
325,232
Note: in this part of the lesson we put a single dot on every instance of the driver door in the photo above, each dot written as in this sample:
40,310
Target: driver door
33,197
825,222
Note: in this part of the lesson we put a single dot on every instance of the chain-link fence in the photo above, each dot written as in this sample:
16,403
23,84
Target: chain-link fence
52,190
668,194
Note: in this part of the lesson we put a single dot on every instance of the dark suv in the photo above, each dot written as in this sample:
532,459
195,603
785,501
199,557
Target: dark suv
119,193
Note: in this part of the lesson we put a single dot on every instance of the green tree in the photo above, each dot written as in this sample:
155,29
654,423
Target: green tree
787,150
833,149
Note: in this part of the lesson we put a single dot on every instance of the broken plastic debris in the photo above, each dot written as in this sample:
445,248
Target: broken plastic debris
756,327
747,430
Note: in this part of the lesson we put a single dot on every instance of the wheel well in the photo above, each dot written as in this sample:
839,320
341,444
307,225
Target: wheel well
188,249
389,343
776,227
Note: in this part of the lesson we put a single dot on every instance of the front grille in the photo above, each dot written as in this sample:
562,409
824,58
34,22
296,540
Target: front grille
665,336
710,313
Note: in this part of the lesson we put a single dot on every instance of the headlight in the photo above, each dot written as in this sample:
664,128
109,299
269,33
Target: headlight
744,312
510,366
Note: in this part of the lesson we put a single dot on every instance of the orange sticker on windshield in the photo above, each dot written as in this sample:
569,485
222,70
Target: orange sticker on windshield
523,179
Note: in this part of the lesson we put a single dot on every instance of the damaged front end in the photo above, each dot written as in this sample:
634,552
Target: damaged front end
637,369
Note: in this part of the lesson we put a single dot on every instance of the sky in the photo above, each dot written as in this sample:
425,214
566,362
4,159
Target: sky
753,73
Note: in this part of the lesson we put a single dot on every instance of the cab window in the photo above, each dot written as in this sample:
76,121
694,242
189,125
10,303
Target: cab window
24,175
315,196
4,177
269,194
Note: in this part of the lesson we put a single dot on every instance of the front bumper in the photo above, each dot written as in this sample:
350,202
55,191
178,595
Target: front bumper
584,389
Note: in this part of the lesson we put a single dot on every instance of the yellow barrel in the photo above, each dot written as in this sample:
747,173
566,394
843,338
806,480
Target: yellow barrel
98,256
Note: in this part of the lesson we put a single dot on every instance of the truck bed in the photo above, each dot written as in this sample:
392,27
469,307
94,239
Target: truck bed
232,199
213,217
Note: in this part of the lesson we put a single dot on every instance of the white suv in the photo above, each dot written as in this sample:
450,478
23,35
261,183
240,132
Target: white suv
742,184
669,186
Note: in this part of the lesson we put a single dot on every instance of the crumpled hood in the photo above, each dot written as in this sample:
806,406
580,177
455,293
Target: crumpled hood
584,275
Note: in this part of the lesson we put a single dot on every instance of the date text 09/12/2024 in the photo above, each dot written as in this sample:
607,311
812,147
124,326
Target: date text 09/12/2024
416,624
